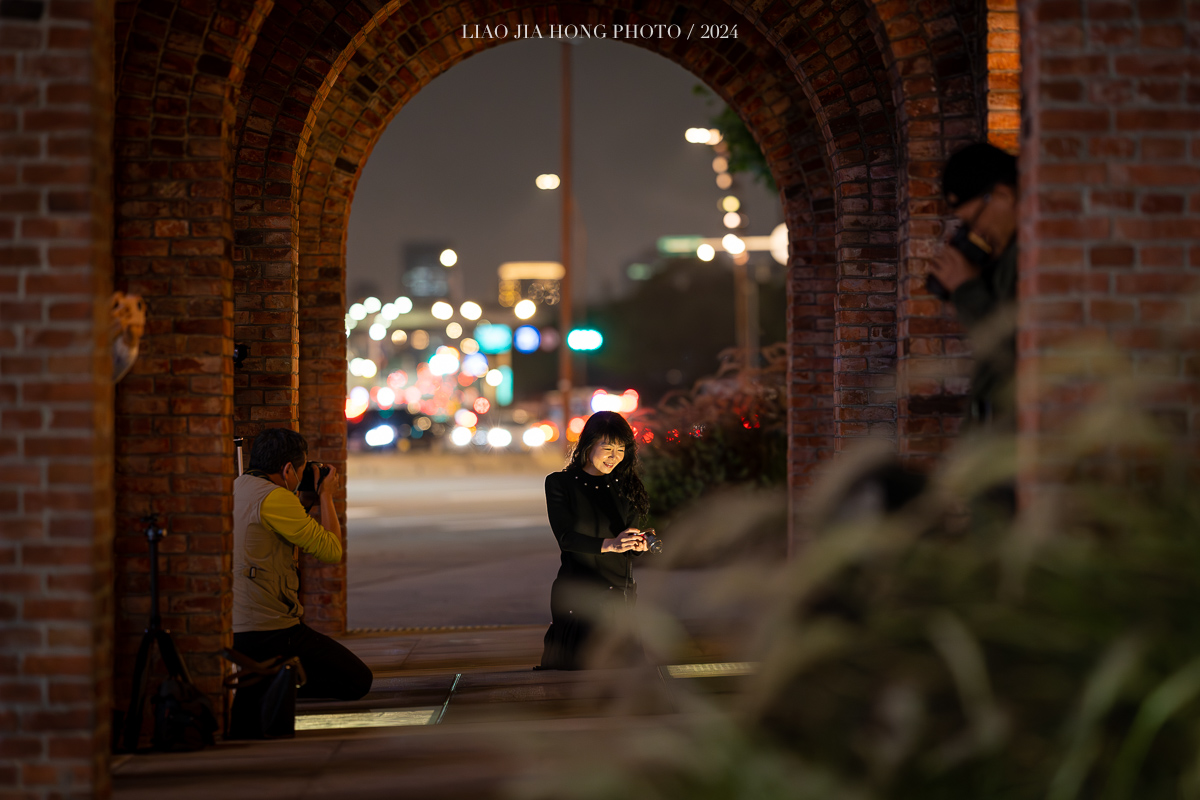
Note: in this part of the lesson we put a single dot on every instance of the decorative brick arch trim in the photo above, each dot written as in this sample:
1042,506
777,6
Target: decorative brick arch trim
177,75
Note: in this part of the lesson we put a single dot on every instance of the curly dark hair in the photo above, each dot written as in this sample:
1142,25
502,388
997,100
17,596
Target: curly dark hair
276,447
611,426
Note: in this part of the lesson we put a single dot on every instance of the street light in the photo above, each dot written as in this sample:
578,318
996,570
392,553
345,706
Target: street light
732,244
706,252
525,309
547,181
448,258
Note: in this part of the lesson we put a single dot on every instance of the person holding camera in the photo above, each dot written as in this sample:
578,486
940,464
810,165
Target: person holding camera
977,272
269,524
592,505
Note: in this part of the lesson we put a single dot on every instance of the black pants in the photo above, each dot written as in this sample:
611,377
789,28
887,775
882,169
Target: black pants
332,670
577,611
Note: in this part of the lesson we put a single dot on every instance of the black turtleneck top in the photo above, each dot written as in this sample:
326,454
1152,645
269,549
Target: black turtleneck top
585,510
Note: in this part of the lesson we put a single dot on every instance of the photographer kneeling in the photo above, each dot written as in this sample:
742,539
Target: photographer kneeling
977,272
269,522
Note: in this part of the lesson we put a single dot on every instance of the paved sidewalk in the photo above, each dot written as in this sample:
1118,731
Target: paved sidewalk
485,715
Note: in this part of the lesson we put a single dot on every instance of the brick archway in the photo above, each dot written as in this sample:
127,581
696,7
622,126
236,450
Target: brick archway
357,102
852,107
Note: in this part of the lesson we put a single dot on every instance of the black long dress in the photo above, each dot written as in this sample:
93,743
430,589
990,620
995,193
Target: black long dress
591,586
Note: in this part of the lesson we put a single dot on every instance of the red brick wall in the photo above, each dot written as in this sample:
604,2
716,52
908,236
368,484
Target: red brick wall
1110,222
177,75
55,400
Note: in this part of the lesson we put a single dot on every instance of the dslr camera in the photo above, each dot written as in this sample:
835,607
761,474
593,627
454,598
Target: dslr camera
310,484
974,249
653,543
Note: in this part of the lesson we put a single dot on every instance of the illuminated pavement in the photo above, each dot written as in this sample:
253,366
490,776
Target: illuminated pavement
431,544
437,541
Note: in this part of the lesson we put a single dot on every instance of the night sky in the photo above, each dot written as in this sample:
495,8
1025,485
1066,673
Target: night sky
458,164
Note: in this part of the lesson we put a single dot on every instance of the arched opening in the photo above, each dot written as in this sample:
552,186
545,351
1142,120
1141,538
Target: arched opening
453,532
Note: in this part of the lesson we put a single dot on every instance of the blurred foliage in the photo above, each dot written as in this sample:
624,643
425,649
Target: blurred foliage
745,156
730,428
947,651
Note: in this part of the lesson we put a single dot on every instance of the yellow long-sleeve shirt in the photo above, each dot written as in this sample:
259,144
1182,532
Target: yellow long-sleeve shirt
268,523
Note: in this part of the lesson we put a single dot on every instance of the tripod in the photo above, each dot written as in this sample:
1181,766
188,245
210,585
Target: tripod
154,635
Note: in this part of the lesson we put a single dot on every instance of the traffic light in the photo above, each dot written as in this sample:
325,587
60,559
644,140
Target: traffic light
584,339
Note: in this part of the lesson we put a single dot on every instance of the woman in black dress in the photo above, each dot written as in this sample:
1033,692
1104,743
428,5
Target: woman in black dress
593,506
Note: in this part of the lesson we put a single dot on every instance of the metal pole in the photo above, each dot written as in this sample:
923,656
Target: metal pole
564,303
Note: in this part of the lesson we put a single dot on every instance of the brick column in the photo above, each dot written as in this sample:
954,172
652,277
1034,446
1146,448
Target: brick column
176,81
55,399
1110,215
1003,74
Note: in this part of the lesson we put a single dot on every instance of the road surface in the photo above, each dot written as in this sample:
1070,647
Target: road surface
436,550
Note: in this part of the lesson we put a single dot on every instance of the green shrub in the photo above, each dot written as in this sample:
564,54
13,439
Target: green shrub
729,429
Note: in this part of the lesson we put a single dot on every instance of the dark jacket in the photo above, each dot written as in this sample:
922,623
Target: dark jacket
584,510
986,307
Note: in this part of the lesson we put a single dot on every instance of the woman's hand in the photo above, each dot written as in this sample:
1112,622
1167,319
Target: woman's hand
630,539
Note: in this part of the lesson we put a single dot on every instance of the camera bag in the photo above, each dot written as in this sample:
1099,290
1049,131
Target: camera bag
265,706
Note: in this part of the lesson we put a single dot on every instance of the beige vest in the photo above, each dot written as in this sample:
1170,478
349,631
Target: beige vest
265,578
